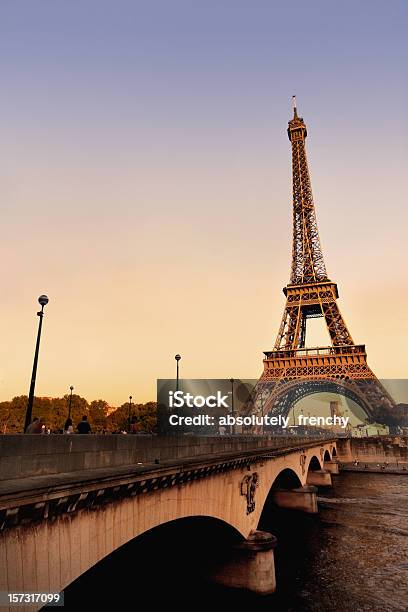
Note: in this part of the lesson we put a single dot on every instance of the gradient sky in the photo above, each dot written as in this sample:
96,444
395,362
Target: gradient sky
145,183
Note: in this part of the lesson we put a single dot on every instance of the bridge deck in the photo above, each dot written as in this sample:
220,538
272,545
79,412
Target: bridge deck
42,488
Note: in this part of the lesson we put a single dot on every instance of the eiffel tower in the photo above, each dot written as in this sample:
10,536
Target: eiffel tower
292,370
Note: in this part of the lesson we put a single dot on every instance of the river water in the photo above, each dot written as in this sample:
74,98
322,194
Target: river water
351,557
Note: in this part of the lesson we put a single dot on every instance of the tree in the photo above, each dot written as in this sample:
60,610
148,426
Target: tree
147,416
54,411
98,410
119,418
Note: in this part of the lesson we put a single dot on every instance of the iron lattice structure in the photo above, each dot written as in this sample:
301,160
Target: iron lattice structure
292,371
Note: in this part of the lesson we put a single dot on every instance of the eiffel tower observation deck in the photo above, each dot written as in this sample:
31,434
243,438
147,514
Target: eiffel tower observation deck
292,370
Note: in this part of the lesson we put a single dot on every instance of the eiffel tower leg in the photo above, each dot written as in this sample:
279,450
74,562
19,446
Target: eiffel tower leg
292,329
336,325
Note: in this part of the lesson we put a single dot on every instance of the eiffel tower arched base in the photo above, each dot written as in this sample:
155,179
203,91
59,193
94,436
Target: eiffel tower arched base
289,376
278,398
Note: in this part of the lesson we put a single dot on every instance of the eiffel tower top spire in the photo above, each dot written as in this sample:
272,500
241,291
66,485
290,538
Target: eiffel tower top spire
307,258
294,107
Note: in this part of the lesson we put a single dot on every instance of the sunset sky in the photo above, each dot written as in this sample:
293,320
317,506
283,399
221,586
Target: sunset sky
145,184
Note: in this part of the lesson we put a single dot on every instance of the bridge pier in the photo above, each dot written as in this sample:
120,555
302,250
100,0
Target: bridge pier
250,566
331,466
319,478
301,498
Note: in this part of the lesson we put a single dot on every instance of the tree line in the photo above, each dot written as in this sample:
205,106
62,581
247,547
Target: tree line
54,411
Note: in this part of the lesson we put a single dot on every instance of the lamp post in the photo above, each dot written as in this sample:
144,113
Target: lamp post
70,401
42,300
232,403
177,358
130,410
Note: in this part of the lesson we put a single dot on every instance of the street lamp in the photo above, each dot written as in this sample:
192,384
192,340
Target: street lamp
70,401
177,358
232,403
42,300
130,410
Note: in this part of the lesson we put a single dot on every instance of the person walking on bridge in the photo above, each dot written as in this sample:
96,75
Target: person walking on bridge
83,426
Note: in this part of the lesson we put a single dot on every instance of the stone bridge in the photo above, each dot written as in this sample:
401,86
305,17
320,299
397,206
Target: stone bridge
67,502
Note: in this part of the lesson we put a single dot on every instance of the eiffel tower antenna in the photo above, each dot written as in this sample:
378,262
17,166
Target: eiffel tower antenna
292,370
294,106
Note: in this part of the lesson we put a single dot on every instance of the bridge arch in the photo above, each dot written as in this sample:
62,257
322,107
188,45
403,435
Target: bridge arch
326,456
314,463
286,479
178,551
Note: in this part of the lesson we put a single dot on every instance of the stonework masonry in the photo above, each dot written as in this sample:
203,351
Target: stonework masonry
49,552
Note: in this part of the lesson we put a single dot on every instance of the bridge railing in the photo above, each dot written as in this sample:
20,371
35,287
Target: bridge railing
25,456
